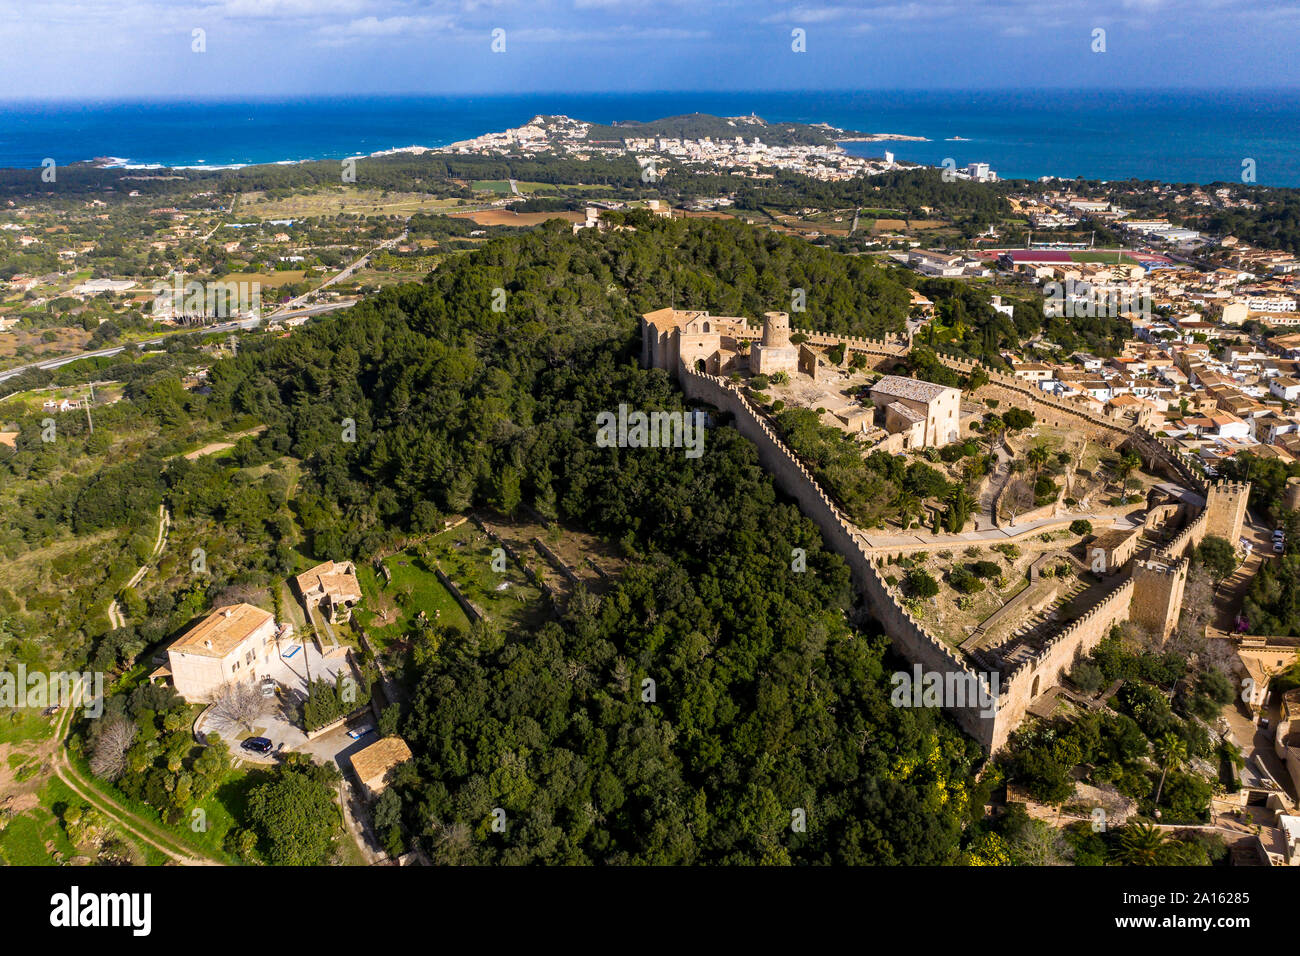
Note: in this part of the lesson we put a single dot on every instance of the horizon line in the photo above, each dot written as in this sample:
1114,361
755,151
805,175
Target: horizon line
274,97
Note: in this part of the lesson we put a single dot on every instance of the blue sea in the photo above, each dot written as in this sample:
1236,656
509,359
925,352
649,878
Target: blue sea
1173,136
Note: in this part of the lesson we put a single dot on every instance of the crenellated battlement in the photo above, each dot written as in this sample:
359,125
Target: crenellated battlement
1151,596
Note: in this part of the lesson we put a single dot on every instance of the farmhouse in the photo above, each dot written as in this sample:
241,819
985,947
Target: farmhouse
230,645
333,587
372,764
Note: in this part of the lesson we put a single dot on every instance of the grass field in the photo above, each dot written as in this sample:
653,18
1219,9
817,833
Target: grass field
25,725
266,280
35,834
387,612
349,199
508,597
502,187
504,217
1102,255
466,556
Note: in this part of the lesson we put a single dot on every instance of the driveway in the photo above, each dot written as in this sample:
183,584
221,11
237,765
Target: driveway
279,724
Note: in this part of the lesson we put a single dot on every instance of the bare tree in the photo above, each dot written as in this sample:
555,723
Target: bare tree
1039,844
108,750
1198,609
452,843
1017,498
238,705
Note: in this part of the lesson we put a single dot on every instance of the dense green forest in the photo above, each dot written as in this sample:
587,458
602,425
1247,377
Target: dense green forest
767,734
766,699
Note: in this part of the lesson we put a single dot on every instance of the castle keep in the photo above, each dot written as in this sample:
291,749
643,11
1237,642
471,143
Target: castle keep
1147,589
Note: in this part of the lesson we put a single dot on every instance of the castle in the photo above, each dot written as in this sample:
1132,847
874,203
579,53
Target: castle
1147,587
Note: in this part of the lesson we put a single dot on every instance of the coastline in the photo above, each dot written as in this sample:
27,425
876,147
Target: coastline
1014,135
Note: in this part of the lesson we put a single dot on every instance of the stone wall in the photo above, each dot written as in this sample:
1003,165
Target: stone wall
908,636
1035,676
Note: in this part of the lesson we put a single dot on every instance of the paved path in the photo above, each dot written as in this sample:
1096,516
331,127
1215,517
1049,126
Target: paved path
1257,742
1232,592
920,542
987,518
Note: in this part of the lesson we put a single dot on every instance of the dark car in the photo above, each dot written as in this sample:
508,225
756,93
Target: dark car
259,744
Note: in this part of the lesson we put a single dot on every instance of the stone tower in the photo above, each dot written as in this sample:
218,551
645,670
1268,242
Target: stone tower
775,353
776,329
1225,509
1158,595
1292,498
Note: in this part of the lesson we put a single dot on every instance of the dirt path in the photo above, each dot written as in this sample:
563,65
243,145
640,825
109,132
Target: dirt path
131,824
216,446
115,617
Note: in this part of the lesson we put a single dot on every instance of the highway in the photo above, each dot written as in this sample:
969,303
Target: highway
239,326
348,271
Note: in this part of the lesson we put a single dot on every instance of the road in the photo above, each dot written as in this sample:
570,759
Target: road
239,326
347,271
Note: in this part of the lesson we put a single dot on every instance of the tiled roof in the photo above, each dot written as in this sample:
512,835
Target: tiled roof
373,762
905,412
221,631
913,389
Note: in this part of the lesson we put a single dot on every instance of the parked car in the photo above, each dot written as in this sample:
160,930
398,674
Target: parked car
259,744
360,732
1279,545
268,687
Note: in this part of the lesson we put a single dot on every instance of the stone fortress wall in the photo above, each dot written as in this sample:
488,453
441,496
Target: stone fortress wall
1151,595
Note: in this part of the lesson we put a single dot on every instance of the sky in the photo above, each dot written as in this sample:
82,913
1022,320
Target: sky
178,49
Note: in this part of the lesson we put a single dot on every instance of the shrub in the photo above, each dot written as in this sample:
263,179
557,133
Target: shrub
1081,526
1017,419
961,579
922,583
1088,677
986,569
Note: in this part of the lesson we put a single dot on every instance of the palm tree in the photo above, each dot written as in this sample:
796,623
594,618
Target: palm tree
1140,844
1037,457
1171,751
908,505
994,426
